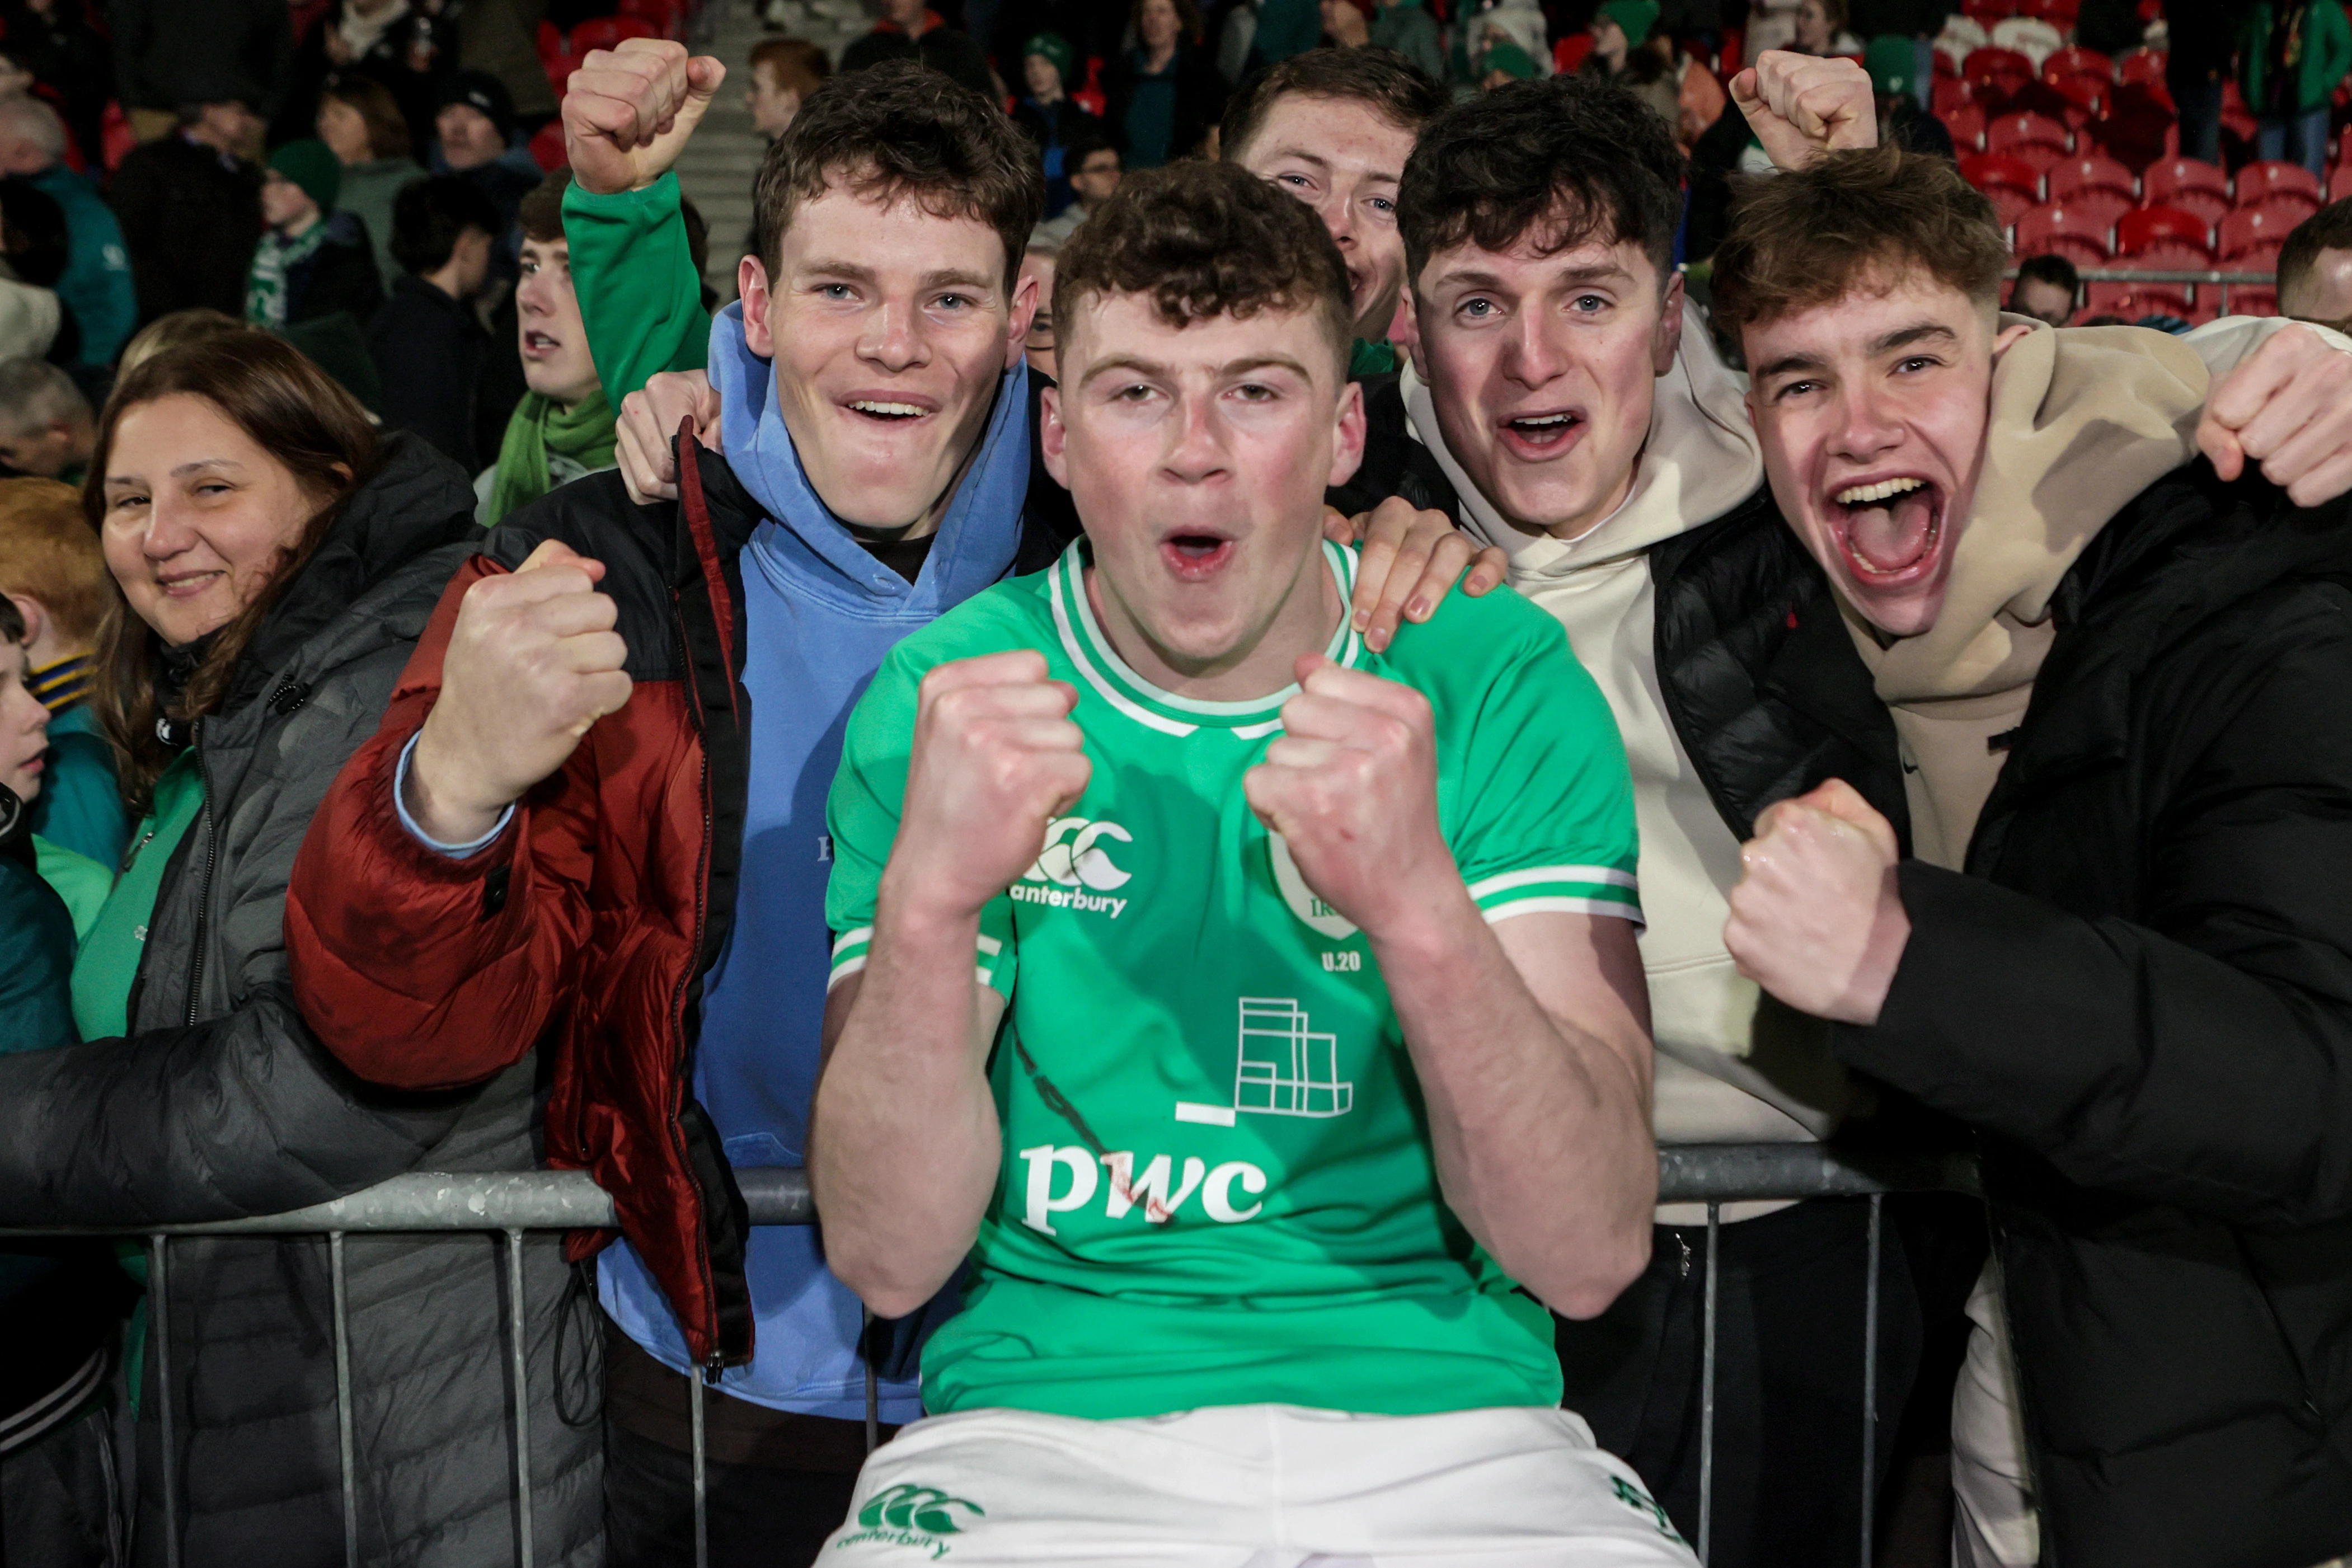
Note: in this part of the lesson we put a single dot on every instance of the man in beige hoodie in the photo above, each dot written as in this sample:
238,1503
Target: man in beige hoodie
1588,430
2120,686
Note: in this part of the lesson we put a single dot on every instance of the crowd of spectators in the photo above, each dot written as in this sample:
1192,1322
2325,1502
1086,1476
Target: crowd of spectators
414,755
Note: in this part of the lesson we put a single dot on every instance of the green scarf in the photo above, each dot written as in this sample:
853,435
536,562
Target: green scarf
548,445
273,259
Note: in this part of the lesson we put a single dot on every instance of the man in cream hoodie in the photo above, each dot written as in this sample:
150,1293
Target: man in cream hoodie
2119,682
1588,429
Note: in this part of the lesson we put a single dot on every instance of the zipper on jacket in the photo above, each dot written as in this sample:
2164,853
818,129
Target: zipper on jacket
715,1362
211,826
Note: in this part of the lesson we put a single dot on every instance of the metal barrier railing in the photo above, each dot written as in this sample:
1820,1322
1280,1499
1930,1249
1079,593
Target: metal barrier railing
511,1204
2223,278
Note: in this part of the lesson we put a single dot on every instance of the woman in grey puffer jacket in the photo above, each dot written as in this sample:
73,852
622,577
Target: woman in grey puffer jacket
278,560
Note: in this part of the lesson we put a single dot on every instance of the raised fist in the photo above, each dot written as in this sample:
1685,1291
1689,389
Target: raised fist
629,111
533,663
1817,919
1800,107
996,758
1351,785
646,435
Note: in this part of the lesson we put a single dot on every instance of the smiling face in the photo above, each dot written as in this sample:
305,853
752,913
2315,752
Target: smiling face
1872,410
197,515
889,328
1197,456
1544,370
23,726
555,359
1342,157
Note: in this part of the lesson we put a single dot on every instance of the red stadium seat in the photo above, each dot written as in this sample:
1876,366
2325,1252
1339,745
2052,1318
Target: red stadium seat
2249,299
2094,212
1570,52
2004,71
2009,206
606,32
2236,117
668,16
2133,301
2200,188
2086,100
2092,171
551,41
2259,182
2251,230
2014,133
1991,172
2062,231
547,146
2059,14
2339,184
1947,94
2143,230
2070,61
1967,124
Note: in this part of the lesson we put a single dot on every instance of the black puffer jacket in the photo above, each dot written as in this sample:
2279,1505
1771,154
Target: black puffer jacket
220,1104
2141,993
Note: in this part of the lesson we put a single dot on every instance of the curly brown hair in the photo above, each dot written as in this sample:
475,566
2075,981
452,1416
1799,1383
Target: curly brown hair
903,129
1207,239
1806,237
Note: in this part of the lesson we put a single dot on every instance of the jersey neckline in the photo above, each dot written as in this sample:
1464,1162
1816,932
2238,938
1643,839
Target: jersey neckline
1120,685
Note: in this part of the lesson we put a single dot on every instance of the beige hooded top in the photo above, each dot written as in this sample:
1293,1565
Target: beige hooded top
1733,1065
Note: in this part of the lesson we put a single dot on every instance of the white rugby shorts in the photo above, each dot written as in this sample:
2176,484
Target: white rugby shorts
1253,1486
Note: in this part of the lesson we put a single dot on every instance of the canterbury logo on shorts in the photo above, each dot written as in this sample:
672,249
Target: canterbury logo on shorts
911,1515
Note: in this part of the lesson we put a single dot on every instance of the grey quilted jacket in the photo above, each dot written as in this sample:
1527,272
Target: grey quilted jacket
220,1104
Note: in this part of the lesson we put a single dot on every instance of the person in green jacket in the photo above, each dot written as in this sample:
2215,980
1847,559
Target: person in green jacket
54,582
2292,57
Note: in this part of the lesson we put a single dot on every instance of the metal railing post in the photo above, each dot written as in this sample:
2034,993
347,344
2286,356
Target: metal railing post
1707,1385
1869,1391
702,1471
159,1330
344,1444
527,1553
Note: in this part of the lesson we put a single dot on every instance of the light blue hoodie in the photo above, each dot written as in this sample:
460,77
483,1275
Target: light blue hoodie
820,612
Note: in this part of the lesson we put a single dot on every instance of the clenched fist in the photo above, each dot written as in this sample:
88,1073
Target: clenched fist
996,758
2288,406
1800,107
629,111
1351,785
646,434
1817,920
533,662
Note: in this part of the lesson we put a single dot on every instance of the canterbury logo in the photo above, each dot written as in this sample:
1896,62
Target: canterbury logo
909,1507
1073,856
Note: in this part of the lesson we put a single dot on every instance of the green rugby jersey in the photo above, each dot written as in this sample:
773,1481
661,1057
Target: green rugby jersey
1217,1185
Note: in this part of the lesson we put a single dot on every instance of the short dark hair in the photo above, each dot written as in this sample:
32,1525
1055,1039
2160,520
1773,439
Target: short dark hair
2329,229
1399,91
429,215
387,128
2054,270
1207,239
540,215
12,622
1804,238
1083,144
1575,156
903,129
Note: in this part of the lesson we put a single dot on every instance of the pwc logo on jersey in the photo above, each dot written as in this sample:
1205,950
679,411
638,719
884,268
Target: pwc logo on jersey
1159,1192
1075,870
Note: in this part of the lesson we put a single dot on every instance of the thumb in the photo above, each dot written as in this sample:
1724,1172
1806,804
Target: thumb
1744,89
1839,800
703,75
2220,445
555,553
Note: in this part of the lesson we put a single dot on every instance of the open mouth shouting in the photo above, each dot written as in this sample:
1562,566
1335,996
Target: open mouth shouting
1541,433
536,345
1195,555
1890,529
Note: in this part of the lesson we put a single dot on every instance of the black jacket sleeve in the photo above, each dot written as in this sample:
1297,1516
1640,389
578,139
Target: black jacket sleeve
244,1115
2203,1056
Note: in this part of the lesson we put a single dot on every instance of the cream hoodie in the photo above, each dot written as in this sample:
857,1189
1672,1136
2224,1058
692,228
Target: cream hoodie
1733,1065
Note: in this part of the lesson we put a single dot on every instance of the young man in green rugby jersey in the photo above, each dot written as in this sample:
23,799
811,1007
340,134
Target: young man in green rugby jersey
1257,1012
